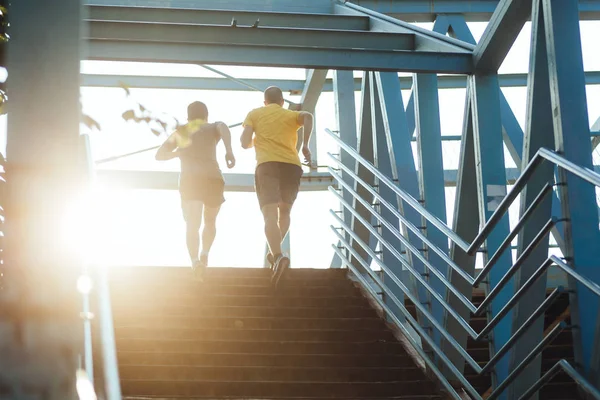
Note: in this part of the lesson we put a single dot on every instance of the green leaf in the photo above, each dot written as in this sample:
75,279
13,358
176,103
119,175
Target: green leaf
125,87
128,115
90,122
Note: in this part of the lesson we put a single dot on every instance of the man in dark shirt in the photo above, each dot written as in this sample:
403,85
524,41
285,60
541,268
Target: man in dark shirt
201,183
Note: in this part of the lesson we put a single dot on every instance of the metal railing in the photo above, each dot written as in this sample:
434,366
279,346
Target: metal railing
346,232
101,304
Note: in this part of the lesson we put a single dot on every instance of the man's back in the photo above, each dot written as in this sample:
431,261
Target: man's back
276,134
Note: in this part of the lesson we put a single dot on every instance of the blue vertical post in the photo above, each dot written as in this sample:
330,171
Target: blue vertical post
44,156
578,199
431,177
345,113
511,130
538,134
383,162
491,188
466,225
365,148
399,142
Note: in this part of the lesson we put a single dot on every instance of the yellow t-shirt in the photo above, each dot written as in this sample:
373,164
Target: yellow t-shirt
275,130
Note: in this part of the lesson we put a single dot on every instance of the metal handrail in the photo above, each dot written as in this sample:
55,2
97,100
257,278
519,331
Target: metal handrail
463,299
541,156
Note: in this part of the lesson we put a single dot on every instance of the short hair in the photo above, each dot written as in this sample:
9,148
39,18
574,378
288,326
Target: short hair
273,95
197,110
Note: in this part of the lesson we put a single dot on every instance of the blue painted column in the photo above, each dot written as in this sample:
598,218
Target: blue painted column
42,332
384,163
538,134
466,226
399,143
345,113
491,188
431,177
578,199
365,148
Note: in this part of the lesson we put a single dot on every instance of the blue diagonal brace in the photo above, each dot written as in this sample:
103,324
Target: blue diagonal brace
399,143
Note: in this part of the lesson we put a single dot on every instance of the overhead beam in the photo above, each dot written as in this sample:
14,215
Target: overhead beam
287,85
473,10
500,34
289,6
280,56
315,79
224,17
227,35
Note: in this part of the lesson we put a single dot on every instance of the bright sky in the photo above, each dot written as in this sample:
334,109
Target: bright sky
145,227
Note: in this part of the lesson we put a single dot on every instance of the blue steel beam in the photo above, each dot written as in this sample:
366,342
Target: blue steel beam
345,115
280,56
385,163
224,17
219,35
491,188
431,177
539,133
425,40
291,85
315,79
473,10
466,225
500,34
288,6
578,199
431,169
399,144
365,148
511,130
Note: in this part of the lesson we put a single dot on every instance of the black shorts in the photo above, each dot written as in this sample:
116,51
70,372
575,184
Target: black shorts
277,182
207,190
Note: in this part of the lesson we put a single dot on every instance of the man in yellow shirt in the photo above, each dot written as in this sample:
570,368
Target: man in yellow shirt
272,130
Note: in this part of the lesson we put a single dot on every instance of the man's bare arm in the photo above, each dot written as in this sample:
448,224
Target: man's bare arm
168,150
306,119
225,134
246,138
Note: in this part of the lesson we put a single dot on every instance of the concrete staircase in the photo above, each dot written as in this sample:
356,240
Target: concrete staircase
234,337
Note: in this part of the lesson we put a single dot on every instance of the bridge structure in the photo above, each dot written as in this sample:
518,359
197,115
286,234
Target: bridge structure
388,175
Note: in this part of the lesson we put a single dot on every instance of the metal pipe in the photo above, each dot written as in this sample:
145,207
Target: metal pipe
532,318
414,323
433,35
594,287
430,364
569,370
505,204
468,278
107,337
88,340
506,243
534,277
467,303
584,173
530,357
517,265
414,203
412,298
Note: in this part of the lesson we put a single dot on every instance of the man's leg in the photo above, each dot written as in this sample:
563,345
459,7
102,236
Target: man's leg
285,209
209,231
192,214
272,229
